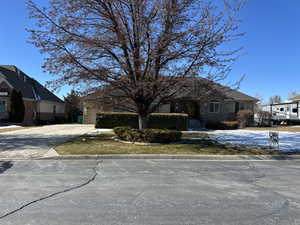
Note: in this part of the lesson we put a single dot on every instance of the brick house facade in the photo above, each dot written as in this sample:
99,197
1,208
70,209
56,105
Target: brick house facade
221,106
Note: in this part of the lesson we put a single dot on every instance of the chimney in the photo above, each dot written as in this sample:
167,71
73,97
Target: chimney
19,73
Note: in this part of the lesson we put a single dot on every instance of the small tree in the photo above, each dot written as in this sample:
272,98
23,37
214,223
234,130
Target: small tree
245,118
17,107
263,118
293,95
73,106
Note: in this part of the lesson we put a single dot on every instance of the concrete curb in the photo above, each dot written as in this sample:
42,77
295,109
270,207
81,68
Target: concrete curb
191,157
51,153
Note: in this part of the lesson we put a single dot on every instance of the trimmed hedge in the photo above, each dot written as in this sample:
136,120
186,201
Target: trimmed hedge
147,135
113,119
172,121
222,125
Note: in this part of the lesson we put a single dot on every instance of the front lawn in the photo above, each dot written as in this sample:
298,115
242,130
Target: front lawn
102,144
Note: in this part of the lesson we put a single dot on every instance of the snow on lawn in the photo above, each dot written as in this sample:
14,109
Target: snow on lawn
103,130
10,126
288,141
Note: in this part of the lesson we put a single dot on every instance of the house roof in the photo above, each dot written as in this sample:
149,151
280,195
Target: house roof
239,96
295,98
29,87
216,91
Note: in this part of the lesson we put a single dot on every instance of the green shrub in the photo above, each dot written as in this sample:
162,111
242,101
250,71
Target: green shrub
116,119
147,135
172,121
121,132
222,125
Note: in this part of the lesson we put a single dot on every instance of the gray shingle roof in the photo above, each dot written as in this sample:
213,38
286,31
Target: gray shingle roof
239,96
29,87
214,90
217,90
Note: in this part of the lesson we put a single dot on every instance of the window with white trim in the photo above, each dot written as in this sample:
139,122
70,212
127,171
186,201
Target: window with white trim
214,107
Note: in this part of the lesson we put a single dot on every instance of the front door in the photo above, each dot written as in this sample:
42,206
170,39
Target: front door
190,108
237,107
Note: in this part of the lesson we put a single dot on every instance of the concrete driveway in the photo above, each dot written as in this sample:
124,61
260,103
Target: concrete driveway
149,192
35,142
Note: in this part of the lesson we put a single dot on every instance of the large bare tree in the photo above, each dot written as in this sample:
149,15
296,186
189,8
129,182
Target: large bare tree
144,51
275,99
293,95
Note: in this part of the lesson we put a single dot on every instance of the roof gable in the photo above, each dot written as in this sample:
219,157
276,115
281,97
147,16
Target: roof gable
29,87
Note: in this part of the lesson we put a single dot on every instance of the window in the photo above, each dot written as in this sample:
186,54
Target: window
214,107
2,106
295,110
281,109
242,106
54,109
237,107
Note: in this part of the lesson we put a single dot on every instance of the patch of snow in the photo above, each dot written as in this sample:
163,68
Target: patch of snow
103,130
288,141
100,130
11,126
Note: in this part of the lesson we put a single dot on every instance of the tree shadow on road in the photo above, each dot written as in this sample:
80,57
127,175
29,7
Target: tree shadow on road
5,166
14,143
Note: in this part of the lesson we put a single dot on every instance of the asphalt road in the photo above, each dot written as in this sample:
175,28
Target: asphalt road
137,192
35,142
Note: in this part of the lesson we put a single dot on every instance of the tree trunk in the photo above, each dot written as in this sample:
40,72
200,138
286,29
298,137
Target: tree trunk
143,122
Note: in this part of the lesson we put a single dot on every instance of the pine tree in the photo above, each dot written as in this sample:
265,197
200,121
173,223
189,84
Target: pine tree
73,106
17,107
21,108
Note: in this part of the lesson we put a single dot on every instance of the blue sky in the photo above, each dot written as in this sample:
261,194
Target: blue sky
271,43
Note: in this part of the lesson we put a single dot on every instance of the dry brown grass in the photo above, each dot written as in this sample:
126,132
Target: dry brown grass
4,130
103,144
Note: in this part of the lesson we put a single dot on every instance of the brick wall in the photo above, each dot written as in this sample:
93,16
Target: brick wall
50,116
30,111
90,110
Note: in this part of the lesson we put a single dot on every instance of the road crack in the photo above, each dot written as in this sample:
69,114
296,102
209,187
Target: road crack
257,176
90,180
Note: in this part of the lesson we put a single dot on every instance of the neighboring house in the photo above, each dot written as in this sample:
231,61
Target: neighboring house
222,107
40,103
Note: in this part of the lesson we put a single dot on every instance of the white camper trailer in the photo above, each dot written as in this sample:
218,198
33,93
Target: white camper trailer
284,112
